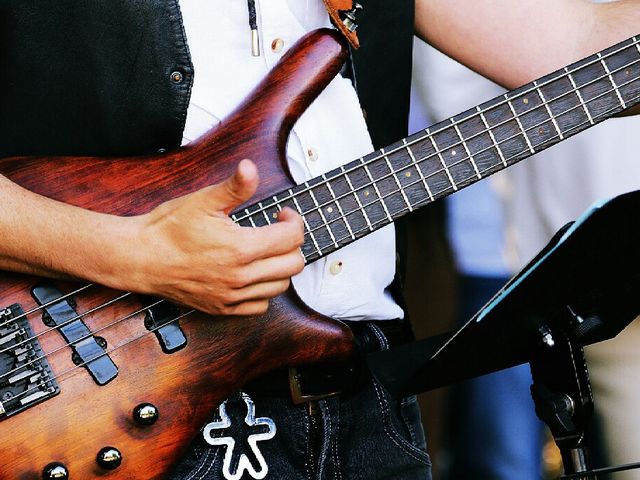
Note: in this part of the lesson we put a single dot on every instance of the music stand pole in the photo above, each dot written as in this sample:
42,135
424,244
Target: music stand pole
562,395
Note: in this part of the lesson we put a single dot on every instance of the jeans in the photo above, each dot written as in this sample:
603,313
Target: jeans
364,435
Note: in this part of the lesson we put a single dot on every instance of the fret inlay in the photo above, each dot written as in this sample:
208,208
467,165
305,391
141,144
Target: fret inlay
415,162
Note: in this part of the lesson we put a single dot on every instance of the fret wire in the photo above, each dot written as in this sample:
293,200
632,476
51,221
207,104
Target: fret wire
264,213
475,167
584,105
306,224
481,112
395,177
415,162
375,187
546,105
447,189
636,44
517,118
439,153
507,139
250,217
355,194
346,222
493,138
319,209
613,84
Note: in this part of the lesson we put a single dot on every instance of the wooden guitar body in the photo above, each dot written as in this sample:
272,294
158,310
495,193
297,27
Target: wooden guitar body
221,354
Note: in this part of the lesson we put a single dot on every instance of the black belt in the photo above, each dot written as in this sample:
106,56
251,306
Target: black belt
314,382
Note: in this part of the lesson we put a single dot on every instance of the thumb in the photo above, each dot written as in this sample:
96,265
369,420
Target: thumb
236,189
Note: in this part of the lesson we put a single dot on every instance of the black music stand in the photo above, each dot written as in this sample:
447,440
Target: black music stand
583,288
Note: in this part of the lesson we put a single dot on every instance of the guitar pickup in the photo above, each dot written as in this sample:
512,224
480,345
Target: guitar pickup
161,319
88,350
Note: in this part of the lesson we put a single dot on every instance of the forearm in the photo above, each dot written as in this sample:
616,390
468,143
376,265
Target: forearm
49,238
514,42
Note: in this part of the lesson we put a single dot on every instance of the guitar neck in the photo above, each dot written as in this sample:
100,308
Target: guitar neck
362,196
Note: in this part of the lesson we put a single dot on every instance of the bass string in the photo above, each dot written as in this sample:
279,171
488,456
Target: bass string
152,330
438,152
449,190
453,164
48,304
89,335
475,114
530,90
113,301
67,322
107,352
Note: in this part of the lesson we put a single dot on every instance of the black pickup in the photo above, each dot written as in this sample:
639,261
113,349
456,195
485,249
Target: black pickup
89,350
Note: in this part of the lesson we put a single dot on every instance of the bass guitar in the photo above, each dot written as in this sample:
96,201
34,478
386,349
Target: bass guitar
115,385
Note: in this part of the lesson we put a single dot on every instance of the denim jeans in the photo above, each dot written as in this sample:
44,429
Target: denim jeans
364,435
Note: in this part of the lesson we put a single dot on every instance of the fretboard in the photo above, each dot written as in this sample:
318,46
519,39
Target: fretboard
362,196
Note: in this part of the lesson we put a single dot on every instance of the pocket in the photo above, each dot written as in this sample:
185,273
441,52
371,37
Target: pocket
402,424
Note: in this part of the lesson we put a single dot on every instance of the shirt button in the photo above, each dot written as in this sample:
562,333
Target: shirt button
312,153
336,267
277,45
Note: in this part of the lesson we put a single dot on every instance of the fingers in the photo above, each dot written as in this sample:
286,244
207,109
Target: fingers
273,268
280,238
235,190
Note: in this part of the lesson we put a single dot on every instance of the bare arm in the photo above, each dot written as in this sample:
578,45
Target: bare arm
515,41
187,249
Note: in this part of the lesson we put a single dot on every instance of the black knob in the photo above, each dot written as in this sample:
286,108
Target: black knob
146,414
109,458
55,471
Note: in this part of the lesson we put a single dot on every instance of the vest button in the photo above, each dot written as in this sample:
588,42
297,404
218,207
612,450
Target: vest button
177,77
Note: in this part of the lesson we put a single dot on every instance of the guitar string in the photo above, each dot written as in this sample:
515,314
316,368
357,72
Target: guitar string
182,316
462,159
67,322
476,113
458,122
41,307
82,364
418,204
89,335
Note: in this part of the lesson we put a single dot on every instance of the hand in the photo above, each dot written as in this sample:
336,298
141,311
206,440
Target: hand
191,251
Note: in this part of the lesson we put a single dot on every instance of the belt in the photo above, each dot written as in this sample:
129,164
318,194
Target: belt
315,382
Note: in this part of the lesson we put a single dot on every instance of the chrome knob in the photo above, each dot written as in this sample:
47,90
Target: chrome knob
146,414
55,471
109,458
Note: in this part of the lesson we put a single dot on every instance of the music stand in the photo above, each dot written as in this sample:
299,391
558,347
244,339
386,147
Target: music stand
583,288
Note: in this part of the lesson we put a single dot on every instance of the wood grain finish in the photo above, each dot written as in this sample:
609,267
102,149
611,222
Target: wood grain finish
222,353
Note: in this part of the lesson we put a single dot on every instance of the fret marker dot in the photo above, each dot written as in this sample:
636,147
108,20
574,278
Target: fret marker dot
407,174
541,131
627,72
525,101
274,214
366,193
329,209
453,152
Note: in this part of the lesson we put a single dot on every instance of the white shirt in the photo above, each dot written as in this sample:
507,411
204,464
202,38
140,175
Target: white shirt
350,283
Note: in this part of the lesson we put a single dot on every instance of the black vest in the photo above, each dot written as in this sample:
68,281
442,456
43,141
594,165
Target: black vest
113,77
